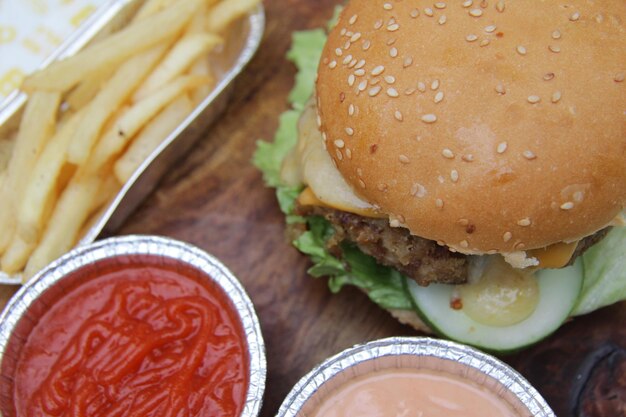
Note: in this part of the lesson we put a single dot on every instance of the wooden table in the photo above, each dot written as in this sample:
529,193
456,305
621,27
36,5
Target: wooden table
216,200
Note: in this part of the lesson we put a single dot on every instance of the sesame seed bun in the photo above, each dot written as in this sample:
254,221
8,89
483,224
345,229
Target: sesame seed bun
500,126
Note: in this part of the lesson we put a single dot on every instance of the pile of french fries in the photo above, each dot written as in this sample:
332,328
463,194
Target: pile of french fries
92,119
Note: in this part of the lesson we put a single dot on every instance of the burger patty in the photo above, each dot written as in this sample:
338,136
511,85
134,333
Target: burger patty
420,259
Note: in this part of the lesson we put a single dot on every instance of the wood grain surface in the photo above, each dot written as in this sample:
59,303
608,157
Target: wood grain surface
216,200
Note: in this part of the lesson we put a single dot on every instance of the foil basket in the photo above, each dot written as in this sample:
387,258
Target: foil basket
414,353
32,301
241,43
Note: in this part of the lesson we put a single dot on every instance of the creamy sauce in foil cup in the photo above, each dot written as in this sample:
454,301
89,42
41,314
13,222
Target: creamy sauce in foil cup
426,355
120,293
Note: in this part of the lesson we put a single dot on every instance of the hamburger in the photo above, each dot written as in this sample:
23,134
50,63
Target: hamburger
458,160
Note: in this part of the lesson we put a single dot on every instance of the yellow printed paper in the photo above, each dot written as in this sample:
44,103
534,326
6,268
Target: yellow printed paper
30,30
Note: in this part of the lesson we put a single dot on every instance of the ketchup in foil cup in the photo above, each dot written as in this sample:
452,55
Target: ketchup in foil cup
413,377
132,326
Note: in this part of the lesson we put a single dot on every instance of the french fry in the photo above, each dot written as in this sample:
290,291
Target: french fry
180,58
109,99
114,140
87,89
226,12
6,149
36,127
202,67
43,181
151,137
73,208
137,37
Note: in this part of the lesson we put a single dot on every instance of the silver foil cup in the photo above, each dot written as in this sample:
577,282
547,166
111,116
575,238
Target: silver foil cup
414,353
32,301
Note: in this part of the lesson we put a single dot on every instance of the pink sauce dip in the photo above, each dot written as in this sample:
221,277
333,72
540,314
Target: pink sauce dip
412,393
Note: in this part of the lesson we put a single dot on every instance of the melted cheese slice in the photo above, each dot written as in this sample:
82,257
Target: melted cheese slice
310,164
554,256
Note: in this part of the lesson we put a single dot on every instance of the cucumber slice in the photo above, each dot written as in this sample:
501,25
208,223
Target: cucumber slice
558,292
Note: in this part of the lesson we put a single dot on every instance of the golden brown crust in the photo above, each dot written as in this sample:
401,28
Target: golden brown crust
497,169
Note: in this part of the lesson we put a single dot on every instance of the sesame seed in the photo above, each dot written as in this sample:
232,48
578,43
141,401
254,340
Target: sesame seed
463,222
471,38
348,33
409,91
475,12
362,183
339,143
434,85
418,190
421,86
447,153
428,12
500,6
464,244
408,61
548,76
352,63
349,153
454,175
524,222
501,148
359,72
338,52
353,19
619,77
554,48
440,5
351,79
347,45
490,28
391,41
382,187
343,31
392,92
439,97
574,17
439,203
360,64
442,19
507,236
362,85
378,70
500,89
521,50
347,60
467,3
530,155
374,91
355,37
556,97
319,120
404,159
414,13
567,206
393,28
468,158
393,52
398,115
556,34
429,118
351,110
339,154
324,137
332,64
519,246
485,42
533,99
389,79
378,24
387,6
366,45
349,131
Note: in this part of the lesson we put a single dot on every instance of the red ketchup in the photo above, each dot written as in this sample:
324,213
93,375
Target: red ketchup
142,337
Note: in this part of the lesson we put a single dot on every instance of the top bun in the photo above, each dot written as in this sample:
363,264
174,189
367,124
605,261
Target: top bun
485,125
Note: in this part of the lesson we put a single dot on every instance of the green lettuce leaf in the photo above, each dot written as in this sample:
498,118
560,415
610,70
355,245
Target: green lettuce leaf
604,267
383,285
